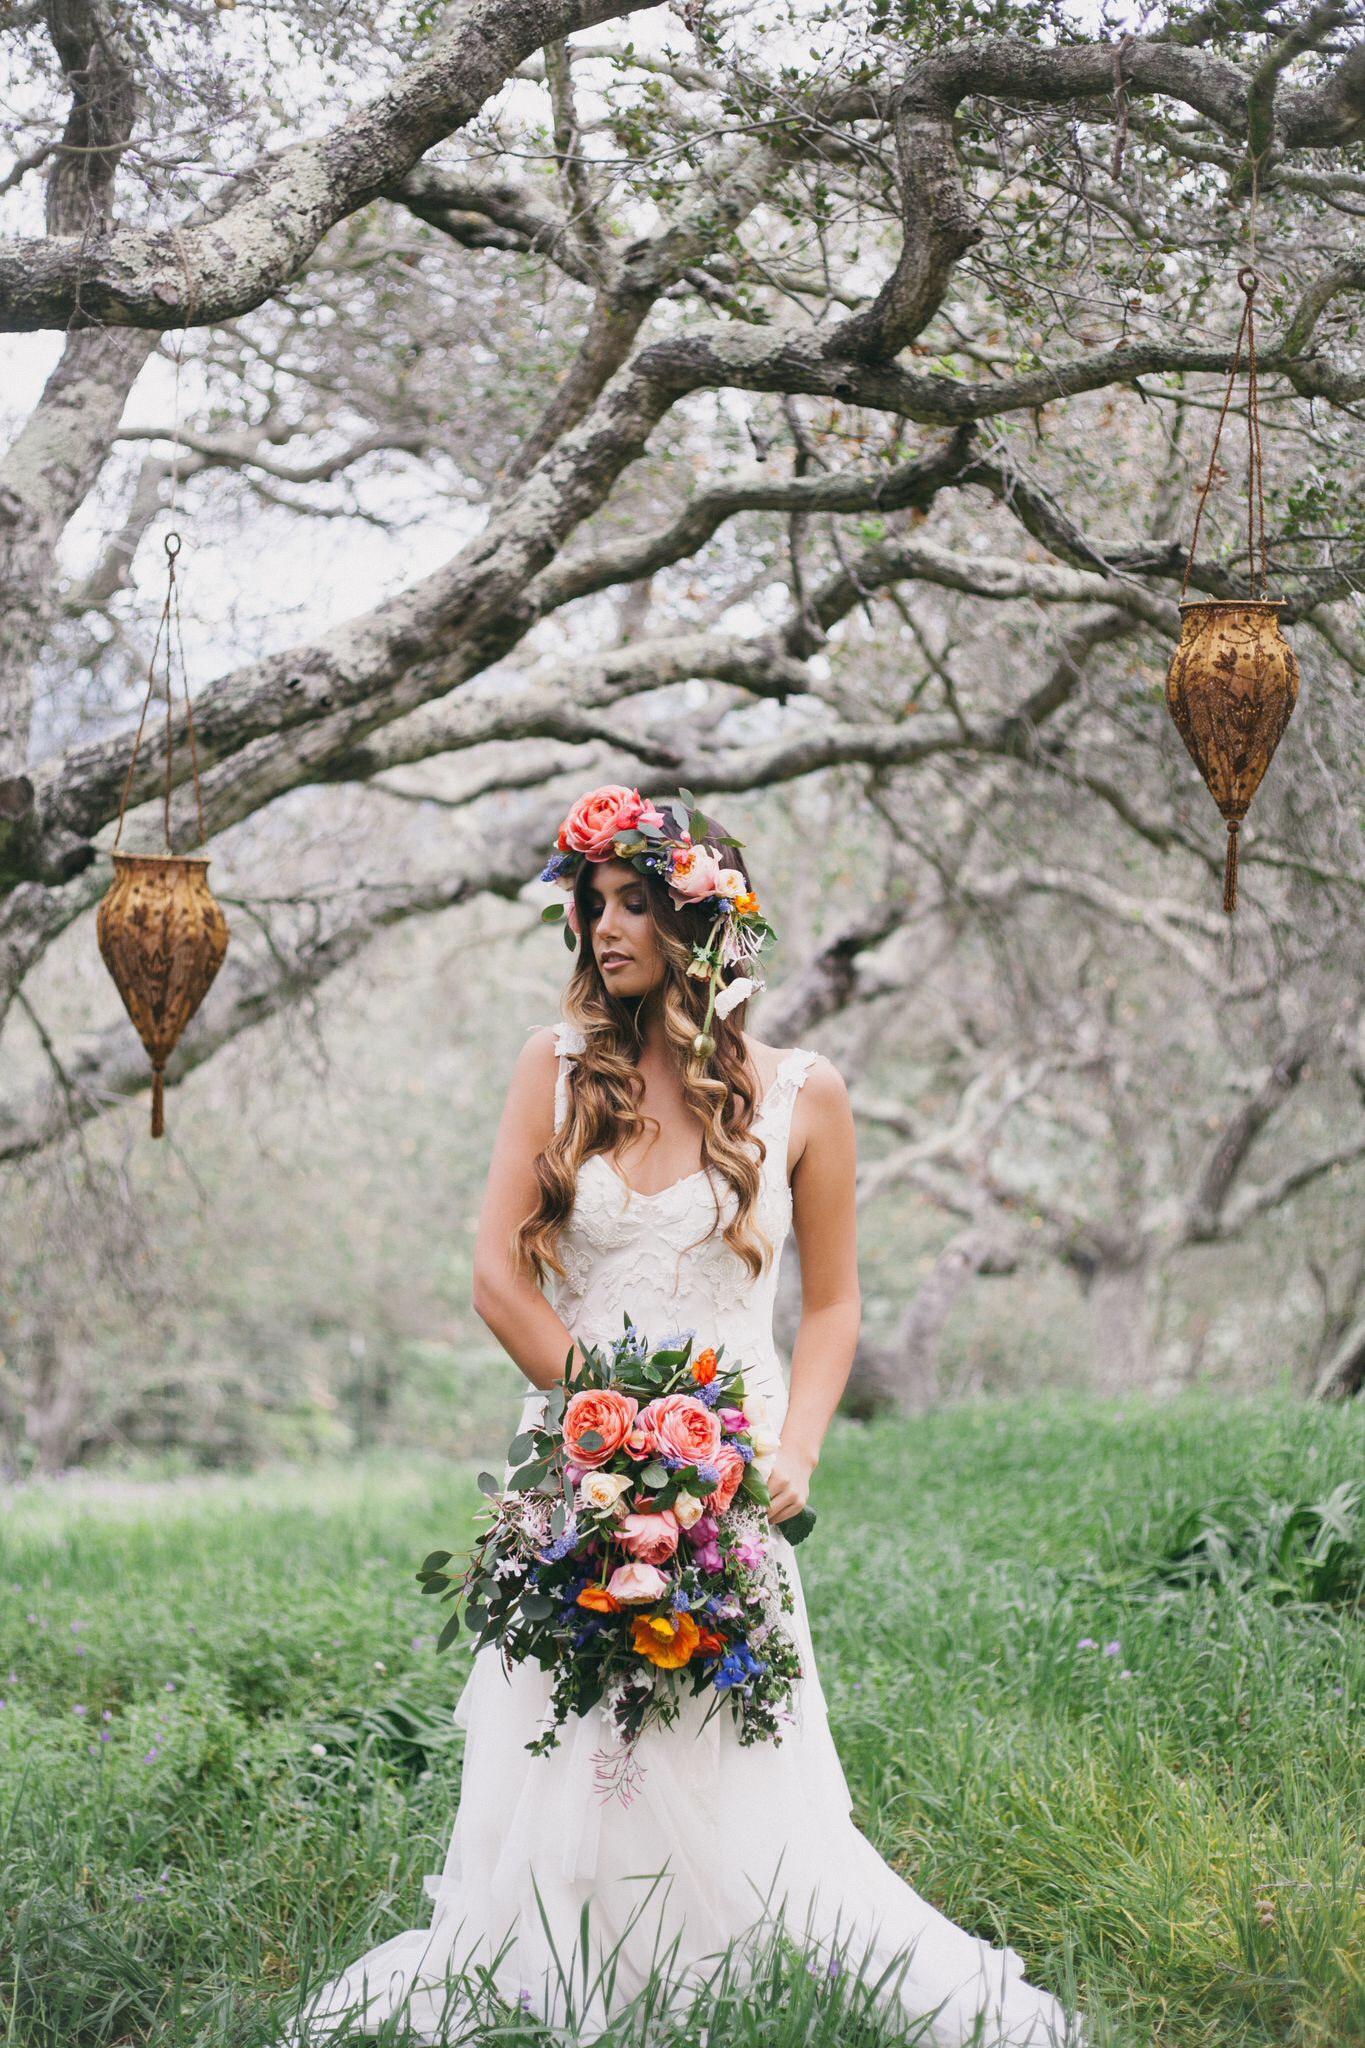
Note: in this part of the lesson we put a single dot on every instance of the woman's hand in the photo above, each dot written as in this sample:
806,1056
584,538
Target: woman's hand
789,1481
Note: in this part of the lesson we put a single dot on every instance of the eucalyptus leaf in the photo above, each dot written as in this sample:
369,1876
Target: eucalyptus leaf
434,1561
552,913
450,1631
487,1484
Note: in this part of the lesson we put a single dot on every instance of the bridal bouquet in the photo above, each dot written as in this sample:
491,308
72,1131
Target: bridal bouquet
630,1551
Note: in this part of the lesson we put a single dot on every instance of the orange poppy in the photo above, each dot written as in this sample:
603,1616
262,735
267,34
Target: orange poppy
599,1599
668,1640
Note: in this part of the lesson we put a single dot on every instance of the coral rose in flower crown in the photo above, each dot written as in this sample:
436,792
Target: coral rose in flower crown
628,1551
671,840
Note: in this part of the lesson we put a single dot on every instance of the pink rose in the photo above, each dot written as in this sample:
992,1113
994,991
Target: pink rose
595,820
637,1582
599,1410
683,1427
731,1468
694,873
651,1538
639,1443
733,1418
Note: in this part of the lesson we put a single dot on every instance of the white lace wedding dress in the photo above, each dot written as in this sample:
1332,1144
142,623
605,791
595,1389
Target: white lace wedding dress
717,1835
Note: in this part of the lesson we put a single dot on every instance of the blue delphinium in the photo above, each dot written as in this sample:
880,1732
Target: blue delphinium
562,1545
710,1473
555,866
736,1668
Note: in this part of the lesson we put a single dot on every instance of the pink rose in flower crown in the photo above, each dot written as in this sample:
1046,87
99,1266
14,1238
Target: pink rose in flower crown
694,873
733,1418
637,1582
683,1428
595,820
601,1410
650,1538
731,1468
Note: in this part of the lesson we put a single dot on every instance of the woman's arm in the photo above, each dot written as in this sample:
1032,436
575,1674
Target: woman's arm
506,1295
824,1222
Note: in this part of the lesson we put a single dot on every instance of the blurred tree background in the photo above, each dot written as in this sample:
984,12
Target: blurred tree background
806,405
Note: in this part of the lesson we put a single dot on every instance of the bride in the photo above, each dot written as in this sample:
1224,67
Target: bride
652,1157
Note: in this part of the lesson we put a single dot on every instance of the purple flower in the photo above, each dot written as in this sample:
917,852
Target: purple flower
1087,1643
151,1755
555,866
79,1708
1112,1649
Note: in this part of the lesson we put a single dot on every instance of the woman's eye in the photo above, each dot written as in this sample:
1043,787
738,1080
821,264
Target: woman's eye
637,909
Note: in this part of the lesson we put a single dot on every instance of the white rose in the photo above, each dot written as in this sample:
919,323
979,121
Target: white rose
603,1489
732,883
765,1441
688,1510
763,1464
757,1413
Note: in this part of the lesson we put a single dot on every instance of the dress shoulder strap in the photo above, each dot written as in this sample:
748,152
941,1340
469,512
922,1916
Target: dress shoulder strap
779,1100
569,1040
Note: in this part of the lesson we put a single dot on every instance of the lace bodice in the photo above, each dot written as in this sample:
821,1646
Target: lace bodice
661,1257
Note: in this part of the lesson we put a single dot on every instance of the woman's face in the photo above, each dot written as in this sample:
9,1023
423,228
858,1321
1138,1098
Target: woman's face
621,930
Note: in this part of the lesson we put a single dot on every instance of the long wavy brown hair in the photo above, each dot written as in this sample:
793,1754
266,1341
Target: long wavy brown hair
605,1088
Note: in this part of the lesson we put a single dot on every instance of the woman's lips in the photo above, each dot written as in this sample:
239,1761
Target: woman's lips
616,960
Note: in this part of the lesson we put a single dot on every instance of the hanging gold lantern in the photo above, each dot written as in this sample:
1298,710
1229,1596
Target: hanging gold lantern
162,934
1232,688
1234,679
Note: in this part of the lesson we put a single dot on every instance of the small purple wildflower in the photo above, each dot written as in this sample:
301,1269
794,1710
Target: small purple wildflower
1087,1643
151,1755
1112,1649
80,1708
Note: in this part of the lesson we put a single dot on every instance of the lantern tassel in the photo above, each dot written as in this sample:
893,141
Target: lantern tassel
158,1105
1230,867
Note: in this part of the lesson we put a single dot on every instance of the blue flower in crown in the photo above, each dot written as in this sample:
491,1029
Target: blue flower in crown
557,865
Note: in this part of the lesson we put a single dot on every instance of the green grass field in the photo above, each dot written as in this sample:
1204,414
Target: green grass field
1152,1779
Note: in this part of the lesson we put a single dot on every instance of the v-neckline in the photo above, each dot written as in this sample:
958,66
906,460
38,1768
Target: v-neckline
698,1172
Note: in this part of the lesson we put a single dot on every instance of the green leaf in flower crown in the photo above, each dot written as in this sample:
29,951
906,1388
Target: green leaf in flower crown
487,1484
688,798
797,1527
569,939
552,913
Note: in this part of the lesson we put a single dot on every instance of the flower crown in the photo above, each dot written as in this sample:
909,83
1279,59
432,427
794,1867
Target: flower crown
670,840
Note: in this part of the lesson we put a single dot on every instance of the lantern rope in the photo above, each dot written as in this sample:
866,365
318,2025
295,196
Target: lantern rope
170,621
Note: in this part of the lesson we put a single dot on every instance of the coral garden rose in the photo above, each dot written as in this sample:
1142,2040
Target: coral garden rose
668,1640
694,873
683,1428
731,1468
596,818
600,1411
651,1538
637,1582
639,1443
